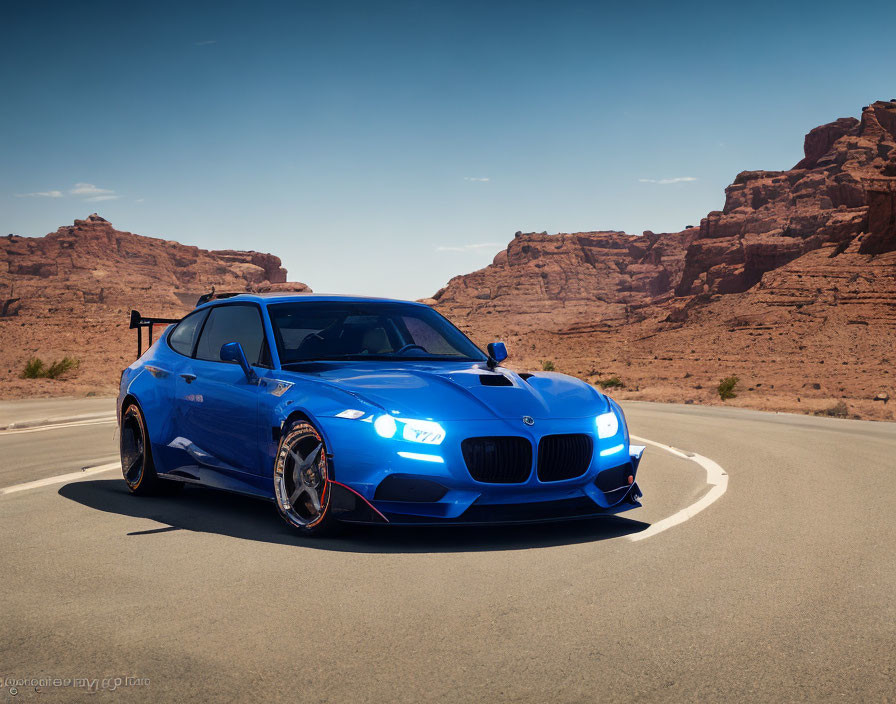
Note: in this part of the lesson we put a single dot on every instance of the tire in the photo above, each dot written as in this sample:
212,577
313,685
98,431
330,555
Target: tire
301,480
137,466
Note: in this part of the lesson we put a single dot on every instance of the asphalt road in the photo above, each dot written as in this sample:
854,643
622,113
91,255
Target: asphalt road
31,454
781,590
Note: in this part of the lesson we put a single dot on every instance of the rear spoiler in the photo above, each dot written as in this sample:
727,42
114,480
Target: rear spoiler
138,322
206,297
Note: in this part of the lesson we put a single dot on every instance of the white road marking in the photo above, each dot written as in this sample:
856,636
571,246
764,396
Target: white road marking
716,477
59,479
57,426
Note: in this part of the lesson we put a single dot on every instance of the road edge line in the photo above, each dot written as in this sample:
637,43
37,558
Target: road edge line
56,420
716,477
59,479
103,420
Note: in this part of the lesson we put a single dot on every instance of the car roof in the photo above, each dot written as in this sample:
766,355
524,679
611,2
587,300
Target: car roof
293,297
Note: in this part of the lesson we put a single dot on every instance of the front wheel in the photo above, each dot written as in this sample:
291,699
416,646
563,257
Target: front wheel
301,480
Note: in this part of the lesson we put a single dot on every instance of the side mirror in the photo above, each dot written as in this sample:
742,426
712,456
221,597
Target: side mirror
233,352
497,351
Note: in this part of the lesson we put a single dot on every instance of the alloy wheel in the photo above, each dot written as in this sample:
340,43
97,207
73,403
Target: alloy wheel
301,476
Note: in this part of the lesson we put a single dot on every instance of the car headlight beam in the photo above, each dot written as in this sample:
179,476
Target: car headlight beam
385,426
427,432
607,425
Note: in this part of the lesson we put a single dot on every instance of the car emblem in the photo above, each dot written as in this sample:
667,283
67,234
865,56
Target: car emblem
528,420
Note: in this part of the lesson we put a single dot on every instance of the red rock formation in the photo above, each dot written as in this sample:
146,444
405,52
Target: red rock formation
791,286
880,194
552,281
773,217
796,275
845,186
68,293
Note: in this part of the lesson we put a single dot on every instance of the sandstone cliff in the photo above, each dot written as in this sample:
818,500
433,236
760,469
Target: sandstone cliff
69,293
844,188
553,281
791,286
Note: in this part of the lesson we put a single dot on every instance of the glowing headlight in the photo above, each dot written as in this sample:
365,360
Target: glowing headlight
424,431
607,425
385,426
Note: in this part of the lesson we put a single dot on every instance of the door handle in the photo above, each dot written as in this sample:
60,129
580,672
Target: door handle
189,378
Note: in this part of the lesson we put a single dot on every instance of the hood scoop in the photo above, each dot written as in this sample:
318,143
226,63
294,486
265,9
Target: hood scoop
494,380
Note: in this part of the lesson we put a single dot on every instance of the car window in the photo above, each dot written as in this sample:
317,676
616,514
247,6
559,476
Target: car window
232,323
420,333
360,330
183,337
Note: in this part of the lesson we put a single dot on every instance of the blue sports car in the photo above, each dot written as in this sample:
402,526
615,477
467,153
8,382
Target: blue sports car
365,410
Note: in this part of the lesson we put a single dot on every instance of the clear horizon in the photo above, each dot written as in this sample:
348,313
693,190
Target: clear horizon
384,149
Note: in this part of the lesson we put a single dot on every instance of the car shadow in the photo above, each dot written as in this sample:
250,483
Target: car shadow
211,511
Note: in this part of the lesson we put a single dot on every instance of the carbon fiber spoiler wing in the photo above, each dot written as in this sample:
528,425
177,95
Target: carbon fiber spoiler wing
138,322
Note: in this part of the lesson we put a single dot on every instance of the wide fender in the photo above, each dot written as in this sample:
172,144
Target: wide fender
153,388
315,400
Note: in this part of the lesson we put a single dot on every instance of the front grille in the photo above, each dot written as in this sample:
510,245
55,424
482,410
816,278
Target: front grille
563,457
498,460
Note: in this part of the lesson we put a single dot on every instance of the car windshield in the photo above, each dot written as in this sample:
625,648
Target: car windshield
366,330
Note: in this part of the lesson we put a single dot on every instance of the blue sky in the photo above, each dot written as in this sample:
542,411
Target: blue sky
383,147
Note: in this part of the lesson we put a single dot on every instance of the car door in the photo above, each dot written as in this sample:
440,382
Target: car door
162,403
217,406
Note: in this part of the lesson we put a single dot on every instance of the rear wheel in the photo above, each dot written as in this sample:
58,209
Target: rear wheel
301,480
137,466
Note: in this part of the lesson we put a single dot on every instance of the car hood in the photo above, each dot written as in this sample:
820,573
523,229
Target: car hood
451,391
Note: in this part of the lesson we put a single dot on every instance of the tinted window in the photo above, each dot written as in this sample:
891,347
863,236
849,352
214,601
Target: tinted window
234,323
427,336
366,330
183,337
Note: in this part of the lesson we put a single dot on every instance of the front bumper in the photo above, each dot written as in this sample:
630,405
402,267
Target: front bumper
505,514
361,467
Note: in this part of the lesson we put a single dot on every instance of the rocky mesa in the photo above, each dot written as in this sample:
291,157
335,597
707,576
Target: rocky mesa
69,293
791,287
